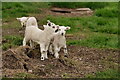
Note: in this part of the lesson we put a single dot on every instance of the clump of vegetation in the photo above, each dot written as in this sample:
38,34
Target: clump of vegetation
12,41
109,73
107,12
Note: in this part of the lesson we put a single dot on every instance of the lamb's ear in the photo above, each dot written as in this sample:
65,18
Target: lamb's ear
57,26
44,25
48,21
18,19
67,28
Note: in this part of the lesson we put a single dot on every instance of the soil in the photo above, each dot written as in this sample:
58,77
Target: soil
80,62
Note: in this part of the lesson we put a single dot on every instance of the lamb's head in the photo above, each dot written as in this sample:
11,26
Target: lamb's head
23,21
62,30
52,28
49,23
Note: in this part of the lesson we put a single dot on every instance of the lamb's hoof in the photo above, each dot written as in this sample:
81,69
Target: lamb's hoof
66,55
57,57
42,58
51,53
46,57
30,71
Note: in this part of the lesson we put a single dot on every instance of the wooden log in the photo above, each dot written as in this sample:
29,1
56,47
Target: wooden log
83,9
61,10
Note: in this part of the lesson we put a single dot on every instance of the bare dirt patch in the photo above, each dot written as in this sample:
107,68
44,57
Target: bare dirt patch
80,62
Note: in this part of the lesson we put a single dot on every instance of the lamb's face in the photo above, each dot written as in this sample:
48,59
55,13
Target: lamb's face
49,23
23,21
52,26
62,30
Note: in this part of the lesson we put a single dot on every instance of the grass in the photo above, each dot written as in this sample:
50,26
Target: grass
19,9
12,41
97,41
100,30
92,23
25,75
109,73
103,21
92,5
107,12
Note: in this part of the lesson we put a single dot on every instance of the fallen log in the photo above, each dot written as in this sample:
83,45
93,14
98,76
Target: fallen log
61,10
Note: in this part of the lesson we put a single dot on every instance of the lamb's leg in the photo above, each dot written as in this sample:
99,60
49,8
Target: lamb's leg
56,50
31,44
65,50
50,49
46,48
24,42
43,51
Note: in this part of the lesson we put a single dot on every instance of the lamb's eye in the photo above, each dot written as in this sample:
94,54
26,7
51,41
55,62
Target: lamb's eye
58,29
53,27
49,24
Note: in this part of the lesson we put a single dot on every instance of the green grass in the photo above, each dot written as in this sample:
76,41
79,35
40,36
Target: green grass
92,5
14,24
12,41
107,12
109,73
100,30
19,9
92,23
97,41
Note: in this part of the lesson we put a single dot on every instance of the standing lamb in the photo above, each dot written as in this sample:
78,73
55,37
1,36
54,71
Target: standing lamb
59,41
42,37
30,20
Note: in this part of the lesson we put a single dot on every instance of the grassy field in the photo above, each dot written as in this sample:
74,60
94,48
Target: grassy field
100,30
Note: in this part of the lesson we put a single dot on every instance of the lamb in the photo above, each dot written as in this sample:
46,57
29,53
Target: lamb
30,20
42,37
59,41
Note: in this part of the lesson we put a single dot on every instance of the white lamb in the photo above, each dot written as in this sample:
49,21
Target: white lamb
31,21
42,37
59,41
28,21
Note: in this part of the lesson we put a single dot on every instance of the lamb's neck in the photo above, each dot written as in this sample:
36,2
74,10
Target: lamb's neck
48,32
